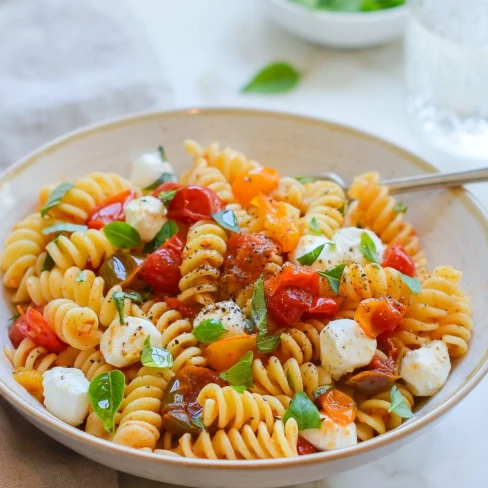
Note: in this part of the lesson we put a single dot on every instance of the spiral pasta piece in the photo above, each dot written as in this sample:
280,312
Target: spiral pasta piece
243,443
90,361
291,191
30,355
301,343
202,258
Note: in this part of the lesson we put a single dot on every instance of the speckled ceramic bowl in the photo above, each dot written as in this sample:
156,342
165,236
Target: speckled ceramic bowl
294,145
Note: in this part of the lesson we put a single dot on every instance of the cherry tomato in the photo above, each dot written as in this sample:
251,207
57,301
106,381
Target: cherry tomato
304,447
288,304
111,210
35,326
280,220
304,277
193,203
322,308
223,354
258,180
186,312
379,315
396,257
168,186
161,269
338,406
14,333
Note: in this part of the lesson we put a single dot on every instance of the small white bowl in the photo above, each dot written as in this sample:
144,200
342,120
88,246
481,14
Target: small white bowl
339,29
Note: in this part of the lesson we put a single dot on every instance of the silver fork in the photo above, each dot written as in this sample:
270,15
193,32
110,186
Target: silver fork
416,183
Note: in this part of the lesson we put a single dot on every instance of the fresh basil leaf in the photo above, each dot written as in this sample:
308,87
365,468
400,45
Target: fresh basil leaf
248,325
14,317
122,235
334,276
310,258
106,392
134,296
314,225
267,343
238,388
164,178
400,207
303,410
162,153
155,357
412,283
374,5
209,330
304,179
342,210
289,378
167,231
167,196
240,374
64,227
55,197
274,78
368,248
259,314
398,404
321,389
81,278
118,299
48,263
227,219
198,421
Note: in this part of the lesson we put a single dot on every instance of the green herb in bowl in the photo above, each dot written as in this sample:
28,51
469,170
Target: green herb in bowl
350,5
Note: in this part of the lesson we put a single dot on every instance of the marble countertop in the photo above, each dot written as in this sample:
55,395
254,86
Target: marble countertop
209,49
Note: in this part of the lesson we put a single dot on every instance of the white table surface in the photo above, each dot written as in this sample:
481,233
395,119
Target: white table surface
209,49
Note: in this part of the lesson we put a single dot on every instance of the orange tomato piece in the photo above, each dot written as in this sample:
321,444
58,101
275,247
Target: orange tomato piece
338,406
223,354
31,380
250,183
280,220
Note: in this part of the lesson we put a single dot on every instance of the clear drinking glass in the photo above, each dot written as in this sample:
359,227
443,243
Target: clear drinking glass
446,56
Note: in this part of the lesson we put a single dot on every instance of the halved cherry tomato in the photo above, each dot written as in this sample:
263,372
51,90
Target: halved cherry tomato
111,210
322,308
338,406
280,220
396,257
35,326
288,304
258,180
304,277
161,269
304,447
168,186
185,311
193,203
14,333
223,354
379,315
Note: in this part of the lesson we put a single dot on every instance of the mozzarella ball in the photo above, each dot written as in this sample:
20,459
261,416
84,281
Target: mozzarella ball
122,344
66,394
331,435
344,347
148,168
425,370
328,258
146,215
229,314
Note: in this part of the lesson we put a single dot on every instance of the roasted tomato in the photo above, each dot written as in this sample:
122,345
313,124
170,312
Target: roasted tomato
258,180
304,277
161,269
379,315
176,304
14,333
322,308
193,203
338,406
304,447
288,304
396,257
111,210
168,186
223,354
122,268
33,325
280,220
180,407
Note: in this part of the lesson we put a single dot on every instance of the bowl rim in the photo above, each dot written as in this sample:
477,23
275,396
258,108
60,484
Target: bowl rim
387,14
34,414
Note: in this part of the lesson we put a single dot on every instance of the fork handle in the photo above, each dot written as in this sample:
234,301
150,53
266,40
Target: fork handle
436,180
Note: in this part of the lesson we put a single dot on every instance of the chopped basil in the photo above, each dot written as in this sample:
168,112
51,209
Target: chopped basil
267,343
289,378
118,299
164,178
122,235
155,357
167,196
64,227
209,330
48,263
259,314
198,421
274,78
248,325
314,225
162,153
240,374
167,231
81,278
55,197
342,210
400,207
14,317
412,283
398,404
304,179
239,389
310,258
106,392
304,411
321,389
227,219
368,248
334,276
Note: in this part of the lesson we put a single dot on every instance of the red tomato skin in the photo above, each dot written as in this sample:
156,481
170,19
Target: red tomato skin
14,333
322,308
185,311
379,317
110,211
193,203
396,257
168,186
304,447
288,304
304,277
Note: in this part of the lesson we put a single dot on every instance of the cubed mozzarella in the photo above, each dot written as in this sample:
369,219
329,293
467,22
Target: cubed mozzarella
146,215
66,394
148,168
425,370
122,344
344,347
331,435
229,314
